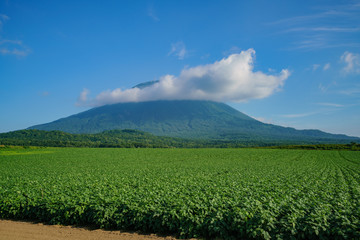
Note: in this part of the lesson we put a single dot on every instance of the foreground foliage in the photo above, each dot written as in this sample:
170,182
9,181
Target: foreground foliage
209,193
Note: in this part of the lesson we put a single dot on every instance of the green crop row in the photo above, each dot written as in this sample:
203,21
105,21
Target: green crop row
204,193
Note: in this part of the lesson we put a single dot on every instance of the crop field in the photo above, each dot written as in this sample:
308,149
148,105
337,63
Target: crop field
203,193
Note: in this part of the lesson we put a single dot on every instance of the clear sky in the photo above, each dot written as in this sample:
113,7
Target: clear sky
291,63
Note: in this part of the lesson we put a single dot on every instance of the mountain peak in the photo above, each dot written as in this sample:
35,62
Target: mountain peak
146,84
183,118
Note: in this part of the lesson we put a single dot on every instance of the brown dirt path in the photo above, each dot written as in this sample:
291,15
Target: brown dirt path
15,230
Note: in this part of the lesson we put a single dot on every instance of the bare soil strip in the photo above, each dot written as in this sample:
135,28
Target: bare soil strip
16,230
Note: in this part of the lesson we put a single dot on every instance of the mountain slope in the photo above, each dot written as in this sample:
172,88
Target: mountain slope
186,119
172,118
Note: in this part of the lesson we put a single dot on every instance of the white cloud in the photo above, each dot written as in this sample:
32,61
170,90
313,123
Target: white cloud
231,79
352,62
326,66
83,98
178,49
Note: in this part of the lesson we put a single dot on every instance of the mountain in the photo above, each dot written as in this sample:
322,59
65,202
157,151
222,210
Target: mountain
186,119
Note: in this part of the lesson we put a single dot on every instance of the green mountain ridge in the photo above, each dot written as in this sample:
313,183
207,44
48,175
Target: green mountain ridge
190,119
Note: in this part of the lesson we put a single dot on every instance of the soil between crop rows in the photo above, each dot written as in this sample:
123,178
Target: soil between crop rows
16,230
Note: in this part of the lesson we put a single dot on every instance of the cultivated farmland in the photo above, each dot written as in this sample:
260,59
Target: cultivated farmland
208,193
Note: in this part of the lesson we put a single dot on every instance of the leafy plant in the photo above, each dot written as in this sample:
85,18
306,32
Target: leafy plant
207,193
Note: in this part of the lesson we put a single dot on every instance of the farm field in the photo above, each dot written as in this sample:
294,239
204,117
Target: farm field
202,193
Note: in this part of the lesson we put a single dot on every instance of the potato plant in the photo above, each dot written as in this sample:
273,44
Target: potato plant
203,193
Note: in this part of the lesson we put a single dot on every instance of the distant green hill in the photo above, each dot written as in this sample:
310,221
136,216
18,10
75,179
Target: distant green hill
186,119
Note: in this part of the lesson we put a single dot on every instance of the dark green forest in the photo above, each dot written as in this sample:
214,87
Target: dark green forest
126,138
129,138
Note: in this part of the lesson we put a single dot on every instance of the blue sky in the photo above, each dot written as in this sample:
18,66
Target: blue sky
291,63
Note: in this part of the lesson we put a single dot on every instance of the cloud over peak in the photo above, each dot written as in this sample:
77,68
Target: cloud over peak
231,79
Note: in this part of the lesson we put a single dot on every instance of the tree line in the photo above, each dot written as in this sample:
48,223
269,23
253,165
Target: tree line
130,138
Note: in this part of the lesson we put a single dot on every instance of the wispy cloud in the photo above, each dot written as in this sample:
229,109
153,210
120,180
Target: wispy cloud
304,18
323,29
13,47
323,88
352,91
232,50
331,105
352,62
332,26
328,108
178,49
16,42
3,18
44,94
9,46
152,14
315,67
320,43
231,79
325,12
298,115
326,66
